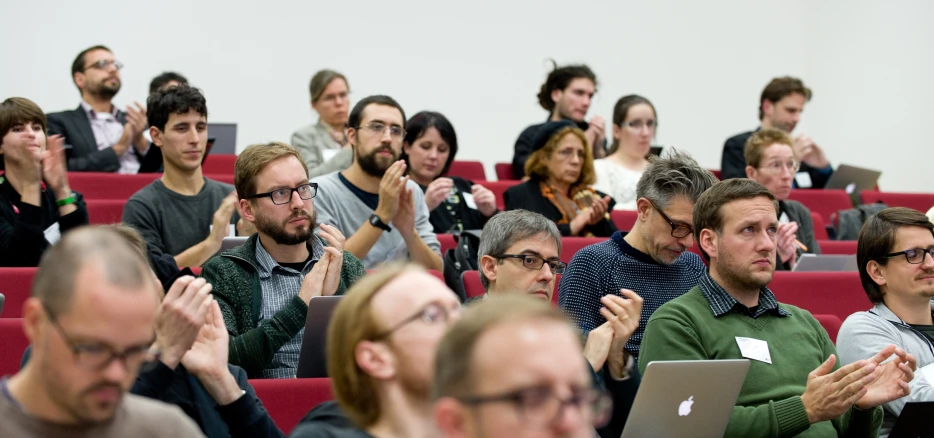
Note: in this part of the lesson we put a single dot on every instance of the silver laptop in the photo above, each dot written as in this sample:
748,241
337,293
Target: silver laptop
853,180
233,242
225,138
826,263
312,359
686,398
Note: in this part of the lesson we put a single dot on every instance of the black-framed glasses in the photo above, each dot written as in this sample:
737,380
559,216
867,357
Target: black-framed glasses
284,196
535,262
395,131
97,356
915,256
540,406
104,64
678,229
433,313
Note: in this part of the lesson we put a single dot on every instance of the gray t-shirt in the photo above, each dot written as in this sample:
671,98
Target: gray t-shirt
171,222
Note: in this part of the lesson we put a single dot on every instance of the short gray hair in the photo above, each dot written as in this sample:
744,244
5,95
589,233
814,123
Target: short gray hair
508,227
675,175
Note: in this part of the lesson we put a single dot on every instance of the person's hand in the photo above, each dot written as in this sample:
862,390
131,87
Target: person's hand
485,200
317,283
207,358
597,211
437,192
785,241
220,227
596,135
136,119
597,346
180,317
808,152
334,237
54,169
891,378
828,395
623,316
390,189
405,215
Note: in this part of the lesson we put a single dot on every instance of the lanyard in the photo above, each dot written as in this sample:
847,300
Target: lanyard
908,327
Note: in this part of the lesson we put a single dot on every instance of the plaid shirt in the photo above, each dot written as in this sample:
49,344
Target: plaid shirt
722,303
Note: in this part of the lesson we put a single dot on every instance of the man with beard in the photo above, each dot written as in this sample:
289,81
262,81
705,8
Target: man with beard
263,286
373,201
896,265
795,386
98,136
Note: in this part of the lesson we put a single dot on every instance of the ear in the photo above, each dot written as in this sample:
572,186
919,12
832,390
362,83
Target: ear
751,172
450,416
78,78
375,359
352,137
246,210
314,105
488,264
617,131
642,208
156,136
767,107
876,272
708,242
33,314
556,95
406,147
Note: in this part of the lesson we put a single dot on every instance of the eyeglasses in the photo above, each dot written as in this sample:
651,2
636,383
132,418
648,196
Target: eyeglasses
535,262
915,256
777,166
678,230
639,124
333,97
432,313
566,154
104,64
540,406
96,356
284,196
395,131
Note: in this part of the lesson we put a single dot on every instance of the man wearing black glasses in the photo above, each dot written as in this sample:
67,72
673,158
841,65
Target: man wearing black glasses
98,136
896,266
263,286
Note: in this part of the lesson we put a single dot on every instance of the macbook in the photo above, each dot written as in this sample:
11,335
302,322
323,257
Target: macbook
312,361
232,242
826,263
853,180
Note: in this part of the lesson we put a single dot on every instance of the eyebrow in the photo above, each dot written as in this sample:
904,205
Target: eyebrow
538,254
383,122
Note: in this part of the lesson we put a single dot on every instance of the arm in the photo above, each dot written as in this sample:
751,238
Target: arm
422,243
819,176
520,197
22,236
246,417
154,383
95,161
203,250
733,163
806,232
141,215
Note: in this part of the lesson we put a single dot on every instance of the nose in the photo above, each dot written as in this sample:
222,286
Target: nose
195,137
296,202
570,417
687,241
766,242
546,274
575,158
928,261
116,371
387,136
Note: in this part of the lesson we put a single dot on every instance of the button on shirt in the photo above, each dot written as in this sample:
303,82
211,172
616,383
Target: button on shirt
107,131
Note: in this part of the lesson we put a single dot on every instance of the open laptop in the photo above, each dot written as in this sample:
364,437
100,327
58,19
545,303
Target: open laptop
656,150
686,398
232,242
225,138
853,180
207,149
312,361
914,421
826,263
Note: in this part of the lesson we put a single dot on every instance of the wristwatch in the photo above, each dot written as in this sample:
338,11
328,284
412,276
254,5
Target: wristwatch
378,223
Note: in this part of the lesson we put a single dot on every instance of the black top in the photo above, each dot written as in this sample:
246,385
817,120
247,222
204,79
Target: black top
525,142
327,420
528,196
733,162
81,147
453,214
926,330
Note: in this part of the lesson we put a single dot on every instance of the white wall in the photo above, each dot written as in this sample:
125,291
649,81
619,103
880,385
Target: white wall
703,64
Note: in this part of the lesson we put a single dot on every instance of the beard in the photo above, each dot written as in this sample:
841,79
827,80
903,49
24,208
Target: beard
739,276
658,255
278,232
104,90
375,165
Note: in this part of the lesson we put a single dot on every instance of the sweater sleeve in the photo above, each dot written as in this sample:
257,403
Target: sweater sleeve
579,290
22,237
422,219
247,417
141,216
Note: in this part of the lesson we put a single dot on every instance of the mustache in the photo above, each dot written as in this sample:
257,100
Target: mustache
298,215
105,385
925,274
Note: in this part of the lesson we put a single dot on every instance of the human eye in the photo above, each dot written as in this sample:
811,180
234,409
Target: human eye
533,262
18,128
773,230
281,193
433,313
534,398
378,127
395,131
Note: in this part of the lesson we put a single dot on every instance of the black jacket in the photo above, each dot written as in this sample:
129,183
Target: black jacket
327,420
733,162
523,147
81,147
22,226
528,196
453,215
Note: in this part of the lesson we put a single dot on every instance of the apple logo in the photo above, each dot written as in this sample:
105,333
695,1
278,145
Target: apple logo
685,408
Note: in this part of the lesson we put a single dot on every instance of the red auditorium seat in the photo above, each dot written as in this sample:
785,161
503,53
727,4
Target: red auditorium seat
288,400
221,164
498,188
474,287
447,242
15,284
13,343
570,245
105,211
823,202
196,270
103,185
831,324
821,293
472,170
624,219
918,201
717,173
820,227
504,172
844,247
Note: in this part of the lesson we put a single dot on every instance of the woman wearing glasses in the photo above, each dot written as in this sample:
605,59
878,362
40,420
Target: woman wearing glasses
634,123
560,171
770,160
324,145
428,149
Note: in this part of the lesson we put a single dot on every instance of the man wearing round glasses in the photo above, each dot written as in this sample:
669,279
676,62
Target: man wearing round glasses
896,266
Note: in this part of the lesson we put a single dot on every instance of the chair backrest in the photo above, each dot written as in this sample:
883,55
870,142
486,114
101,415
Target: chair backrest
570,246
474,287
105,185
918,201
288,400
221,164
13,343
831,293
105,211
15,284
447,242
843,247
498,188
820,227
824,202
472,170
504,172
717,173
830,323
624,219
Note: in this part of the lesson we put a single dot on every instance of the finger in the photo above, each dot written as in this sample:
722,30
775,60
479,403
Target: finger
855,396
852,372
824,368
908,369
884,354
191,291
177,288
331,239
857,380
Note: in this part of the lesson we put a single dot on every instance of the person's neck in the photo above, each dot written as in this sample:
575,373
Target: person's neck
746,297
765,123
634,238
183,182
559,186
628,161
419,180
283,253
916,312
12,174
334,127
556,116
98,104
27,389
403,416
364,181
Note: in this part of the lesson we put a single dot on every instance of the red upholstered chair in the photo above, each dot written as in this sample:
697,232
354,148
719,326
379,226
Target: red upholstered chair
447,242
504,172
498,188
843,247
15,284
105,185
823,202
717,173
918,201
820,227
105,211
221,164
13,343
570,245
288,400
472,170
474,288
438,274
624,219
821,293
196,270
830,323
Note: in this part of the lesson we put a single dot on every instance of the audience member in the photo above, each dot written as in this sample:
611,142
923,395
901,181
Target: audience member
365,199
90,322
896,266
652,259
166,80
381,341
780,107
930,214
566,95
100,137
324,144
770,158
36,202
429,148
634,124
510,367
263,286
795,386
182,213
560,171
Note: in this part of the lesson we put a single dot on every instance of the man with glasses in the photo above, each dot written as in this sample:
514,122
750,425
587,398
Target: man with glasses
510,367
896,266
90,322
373,202
771,161
381,341
263,286
98,136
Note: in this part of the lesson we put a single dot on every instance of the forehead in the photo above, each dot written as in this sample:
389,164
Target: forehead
521,353
793,99
570,140
780,150
680,208
384,113
408,293
756,210
336,85
97,55
191,116
117,315
581,84
283,172
542,244
640,110
913,237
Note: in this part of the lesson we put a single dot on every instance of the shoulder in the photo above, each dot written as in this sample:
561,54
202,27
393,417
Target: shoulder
864,321
328,179
155,415
146,195
530,186
739,140
693,262
61,115
219,187
684,307
529,131
306,130
796,206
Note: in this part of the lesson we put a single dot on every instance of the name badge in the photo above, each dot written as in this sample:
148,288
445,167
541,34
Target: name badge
754,349
804,180
468,199
784,219
53,233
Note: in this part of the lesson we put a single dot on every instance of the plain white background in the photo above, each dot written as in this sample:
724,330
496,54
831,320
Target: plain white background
703,64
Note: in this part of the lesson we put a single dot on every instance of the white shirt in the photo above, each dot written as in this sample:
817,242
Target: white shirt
618,182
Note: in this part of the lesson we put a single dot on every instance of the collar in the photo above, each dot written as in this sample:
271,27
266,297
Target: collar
93,114
883,311
630,250
722,302
583,125
266,264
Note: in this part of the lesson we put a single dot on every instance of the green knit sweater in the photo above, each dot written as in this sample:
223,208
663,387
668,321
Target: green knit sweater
769,404
237,288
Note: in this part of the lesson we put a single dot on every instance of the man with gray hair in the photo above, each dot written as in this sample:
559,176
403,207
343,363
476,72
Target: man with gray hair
652,259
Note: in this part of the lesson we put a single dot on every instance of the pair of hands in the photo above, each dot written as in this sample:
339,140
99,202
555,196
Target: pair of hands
596,135
808,152
220,225
865,383
785,242
396,203
325,275
440,189
133,129
606,343
50,165
590,216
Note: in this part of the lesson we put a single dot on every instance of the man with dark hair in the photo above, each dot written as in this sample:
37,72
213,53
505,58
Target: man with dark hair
795,386
383,213
166,80
182,213
896,266
100,137
566,94
780,107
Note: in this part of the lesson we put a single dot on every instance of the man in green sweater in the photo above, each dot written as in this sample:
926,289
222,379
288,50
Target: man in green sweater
795,386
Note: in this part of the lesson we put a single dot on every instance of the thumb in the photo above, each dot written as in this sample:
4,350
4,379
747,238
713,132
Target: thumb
826,367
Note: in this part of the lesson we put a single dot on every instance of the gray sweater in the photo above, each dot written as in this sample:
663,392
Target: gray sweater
864,334
337,205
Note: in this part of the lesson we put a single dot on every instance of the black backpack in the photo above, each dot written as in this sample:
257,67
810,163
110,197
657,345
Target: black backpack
848,222
461,258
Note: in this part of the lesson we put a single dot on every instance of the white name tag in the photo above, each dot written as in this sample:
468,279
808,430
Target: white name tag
783,219
327,154
53,233
468,199
754,349
804,180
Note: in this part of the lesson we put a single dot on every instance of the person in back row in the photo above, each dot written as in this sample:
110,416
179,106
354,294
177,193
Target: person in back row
263,286
428,150
324,144
383,213
634,124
